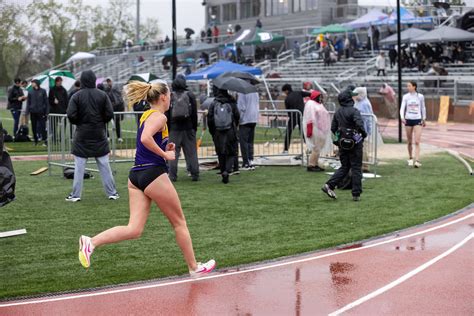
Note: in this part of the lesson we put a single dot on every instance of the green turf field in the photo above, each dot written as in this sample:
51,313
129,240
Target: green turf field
269,213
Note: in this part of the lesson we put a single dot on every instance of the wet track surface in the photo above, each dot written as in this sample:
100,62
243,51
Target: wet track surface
315,284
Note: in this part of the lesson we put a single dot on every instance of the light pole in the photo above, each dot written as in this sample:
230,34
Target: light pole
399,43
137,26
175,59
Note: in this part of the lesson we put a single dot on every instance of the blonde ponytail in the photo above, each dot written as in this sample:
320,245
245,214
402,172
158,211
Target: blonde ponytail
141,91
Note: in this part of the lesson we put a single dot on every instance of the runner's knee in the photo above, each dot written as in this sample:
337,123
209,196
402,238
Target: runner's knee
135,232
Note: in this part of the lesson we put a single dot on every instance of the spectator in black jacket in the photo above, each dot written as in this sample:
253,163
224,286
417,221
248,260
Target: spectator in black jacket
348,127
294,101
115,96
58,101
37,106
225,140
182,122
90,110
7,178
15,100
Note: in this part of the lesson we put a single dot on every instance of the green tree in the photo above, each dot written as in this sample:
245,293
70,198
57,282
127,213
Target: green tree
149,30
111,25
10,30
60,21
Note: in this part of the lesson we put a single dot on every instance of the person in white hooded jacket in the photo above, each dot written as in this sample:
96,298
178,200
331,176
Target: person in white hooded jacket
316,126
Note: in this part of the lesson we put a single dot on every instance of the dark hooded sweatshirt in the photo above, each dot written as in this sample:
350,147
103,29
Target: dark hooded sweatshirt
90,109
347,116
179,86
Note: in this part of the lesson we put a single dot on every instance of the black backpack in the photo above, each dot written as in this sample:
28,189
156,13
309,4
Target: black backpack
223,116
69,173
22,134
6,137
181,106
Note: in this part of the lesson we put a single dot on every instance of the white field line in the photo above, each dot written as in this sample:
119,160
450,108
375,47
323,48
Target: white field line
402,279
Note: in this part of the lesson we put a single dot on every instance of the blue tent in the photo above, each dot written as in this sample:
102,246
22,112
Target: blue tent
406,18
219,68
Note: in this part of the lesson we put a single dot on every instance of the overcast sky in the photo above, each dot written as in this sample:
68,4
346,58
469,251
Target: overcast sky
190,13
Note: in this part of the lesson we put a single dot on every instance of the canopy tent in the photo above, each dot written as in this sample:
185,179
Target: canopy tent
406,17
219,68
333,28
445,34
200,47
255,36
406,36
169,52
372,17
222,67
79,56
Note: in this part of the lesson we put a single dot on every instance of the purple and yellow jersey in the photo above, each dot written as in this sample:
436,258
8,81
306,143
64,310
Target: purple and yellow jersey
144,158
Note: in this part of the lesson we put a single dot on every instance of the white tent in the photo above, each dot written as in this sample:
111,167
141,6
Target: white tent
372,17
445,34
80,55
406,36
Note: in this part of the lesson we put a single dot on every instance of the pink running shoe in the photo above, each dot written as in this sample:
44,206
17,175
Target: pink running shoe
203,269
85,251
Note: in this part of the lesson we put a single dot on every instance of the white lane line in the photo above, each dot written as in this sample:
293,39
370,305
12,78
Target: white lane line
402,278
215,276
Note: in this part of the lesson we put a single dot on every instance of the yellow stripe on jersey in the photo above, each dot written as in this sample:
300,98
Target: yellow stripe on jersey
164,133
146,114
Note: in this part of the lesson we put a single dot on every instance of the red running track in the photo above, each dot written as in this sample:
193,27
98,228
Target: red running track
424,270
454,136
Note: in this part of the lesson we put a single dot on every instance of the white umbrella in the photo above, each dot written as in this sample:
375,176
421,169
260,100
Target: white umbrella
47,79
80,56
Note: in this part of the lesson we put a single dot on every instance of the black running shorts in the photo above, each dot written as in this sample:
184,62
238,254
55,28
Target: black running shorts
142,178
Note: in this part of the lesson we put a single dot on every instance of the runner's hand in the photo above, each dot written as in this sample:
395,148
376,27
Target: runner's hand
404,122
170,147
423,123
170,155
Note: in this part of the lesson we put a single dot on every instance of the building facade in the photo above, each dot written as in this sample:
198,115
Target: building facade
281,15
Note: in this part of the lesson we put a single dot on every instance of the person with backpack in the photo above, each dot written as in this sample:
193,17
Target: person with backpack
183,121
115,96
90,110
348,128
413,115
37,107
223,119
15,101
